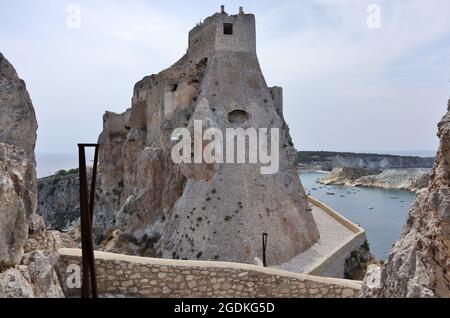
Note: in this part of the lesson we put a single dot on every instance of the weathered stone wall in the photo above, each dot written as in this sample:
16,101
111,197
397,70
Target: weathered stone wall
333,265
148,277
196,211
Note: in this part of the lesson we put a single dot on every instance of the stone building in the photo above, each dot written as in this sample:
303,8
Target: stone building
148,205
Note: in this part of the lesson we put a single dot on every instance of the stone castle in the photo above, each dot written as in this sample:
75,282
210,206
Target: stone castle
154,207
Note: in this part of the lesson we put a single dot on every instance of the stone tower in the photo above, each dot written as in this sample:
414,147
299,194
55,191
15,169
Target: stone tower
202,211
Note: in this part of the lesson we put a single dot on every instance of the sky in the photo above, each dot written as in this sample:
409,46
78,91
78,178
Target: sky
356,77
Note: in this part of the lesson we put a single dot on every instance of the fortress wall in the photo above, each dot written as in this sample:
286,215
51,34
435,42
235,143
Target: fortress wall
277,96
333,265
151,278
243,38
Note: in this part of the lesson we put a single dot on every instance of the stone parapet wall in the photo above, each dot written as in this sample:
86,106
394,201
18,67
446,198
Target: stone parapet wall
333,264
149,277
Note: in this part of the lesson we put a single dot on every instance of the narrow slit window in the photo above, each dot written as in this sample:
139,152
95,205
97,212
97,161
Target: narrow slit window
228,28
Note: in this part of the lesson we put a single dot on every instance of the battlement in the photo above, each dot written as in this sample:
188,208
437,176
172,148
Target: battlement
224,32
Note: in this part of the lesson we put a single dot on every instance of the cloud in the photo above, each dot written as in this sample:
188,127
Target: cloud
130,36
346,87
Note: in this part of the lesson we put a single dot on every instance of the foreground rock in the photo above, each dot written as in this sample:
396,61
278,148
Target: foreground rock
35,276
18,123
27,252
17,164
202,211
400,179
418,264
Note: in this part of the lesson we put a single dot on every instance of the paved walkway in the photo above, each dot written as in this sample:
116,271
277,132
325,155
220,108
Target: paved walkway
332,234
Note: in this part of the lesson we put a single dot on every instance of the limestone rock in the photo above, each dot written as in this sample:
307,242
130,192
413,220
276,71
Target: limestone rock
36,224
17,164
17,202
53,240
412,179
16,283
403,179
34,278
372,281
345,176
418,264
41,270
17,118
202,211
58,200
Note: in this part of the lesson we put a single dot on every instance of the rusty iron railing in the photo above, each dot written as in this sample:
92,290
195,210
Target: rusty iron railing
89,282
264,246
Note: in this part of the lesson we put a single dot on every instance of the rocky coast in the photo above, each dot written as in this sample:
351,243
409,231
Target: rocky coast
412,179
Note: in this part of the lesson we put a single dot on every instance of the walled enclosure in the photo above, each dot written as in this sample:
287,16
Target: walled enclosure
151,278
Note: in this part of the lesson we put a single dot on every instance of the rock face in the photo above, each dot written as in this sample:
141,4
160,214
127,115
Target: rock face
18,123
419,263
17,164
404,179
374,162
202,211
328,160
27,252
345,176
58,200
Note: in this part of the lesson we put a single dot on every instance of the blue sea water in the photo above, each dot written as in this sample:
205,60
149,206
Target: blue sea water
381,213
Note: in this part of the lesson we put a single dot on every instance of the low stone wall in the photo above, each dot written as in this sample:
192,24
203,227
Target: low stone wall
149,277
333,264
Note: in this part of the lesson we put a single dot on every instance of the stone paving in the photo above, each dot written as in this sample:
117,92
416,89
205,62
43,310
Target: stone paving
332,235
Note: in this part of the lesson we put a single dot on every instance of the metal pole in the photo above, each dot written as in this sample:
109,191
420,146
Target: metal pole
89,282
264,243
84,222
91,217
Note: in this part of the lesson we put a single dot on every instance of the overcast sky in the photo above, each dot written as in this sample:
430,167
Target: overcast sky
346,86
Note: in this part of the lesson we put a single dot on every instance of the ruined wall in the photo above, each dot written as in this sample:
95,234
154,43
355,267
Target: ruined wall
146,277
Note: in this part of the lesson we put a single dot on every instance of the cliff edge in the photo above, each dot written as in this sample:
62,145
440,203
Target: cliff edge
419,262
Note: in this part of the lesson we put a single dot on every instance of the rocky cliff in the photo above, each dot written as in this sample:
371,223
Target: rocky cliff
27,251
419,262
402,179
327,160
207,211
17,164
58,199
345,176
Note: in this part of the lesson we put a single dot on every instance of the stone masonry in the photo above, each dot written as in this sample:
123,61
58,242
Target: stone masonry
151,278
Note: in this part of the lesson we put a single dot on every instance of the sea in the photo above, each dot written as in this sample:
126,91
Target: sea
381,213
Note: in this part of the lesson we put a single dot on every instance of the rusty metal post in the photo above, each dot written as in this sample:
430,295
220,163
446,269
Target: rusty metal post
89,282
264,244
